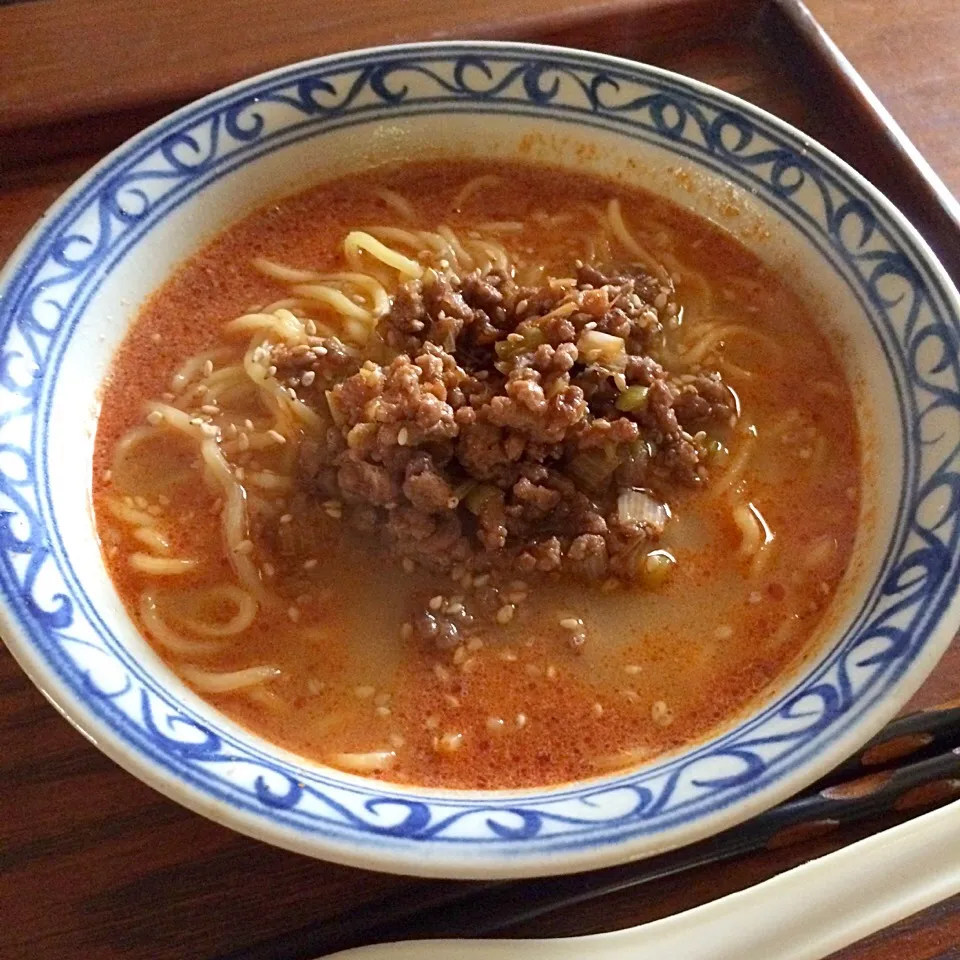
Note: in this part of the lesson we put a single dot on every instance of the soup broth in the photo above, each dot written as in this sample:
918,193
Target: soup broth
280,601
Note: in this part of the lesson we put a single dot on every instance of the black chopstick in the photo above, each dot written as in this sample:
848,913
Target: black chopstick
913,762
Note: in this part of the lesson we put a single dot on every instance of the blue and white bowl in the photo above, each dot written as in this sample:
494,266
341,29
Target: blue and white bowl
75,284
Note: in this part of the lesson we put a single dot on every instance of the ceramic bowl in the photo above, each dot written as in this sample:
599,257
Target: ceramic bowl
74,285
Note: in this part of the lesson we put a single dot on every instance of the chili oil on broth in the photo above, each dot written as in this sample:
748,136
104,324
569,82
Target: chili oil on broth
516,707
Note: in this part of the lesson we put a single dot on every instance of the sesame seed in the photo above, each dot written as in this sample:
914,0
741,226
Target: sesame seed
240,474
571,623
402,436
441,672
156,337
475,644
154,510
505,613
382,711
382,698
597,710
248,424
459,655
309,564
482,580
407,564
406,631
201,389
268,570
107,476
457,572
520,720
154,417
308,378
293,613
431,723
495,724
532,670
364,692
276,436
314,686
453,608
631,696
272,370
633,669
141,502
451,701
517,596
209,429
508,656
210,408
207,368
755,597
396,740
724,632
551,672
435,602
243,442
468,666
449,743
662,715
286,518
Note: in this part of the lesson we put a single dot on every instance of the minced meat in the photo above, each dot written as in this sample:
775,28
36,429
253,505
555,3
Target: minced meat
499,424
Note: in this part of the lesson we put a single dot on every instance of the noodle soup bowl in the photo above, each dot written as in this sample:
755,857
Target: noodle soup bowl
74,286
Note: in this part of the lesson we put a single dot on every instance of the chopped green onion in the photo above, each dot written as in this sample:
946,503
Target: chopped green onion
632,399
480,496
602,348
654,568
531,338
593,469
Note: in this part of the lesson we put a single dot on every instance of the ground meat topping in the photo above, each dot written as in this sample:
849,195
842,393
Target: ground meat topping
501,422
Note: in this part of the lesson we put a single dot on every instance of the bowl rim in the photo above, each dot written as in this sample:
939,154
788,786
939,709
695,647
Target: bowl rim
410,860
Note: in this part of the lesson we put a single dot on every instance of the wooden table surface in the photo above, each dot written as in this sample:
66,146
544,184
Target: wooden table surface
93,863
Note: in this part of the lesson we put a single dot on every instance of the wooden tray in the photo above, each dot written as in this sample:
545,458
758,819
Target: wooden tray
92,862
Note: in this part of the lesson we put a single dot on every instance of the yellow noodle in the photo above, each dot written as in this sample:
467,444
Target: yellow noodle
735,468
370,762
358,242
161,566
396,202
472,186
208,682
337,300
501,226
193,367
620,231
152,539
128,514
167,638
283,273
246,612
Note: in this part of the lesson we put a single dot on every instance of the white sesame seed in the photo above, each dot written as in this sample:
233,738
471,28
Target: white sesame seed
520,720
276,436
517,596
597,710
505,613
243,442
459,655
475,644
156,337
482,580
364,691
272,370
571,623
407,564
240,474
268,570
396,740
293,613
551,672
201,389
107,476
309,564
495,724
662,715
248,424
406,631
207,368
210,408
209,429
308,377
633,669
508,656
441,673
382,711
755,597
286,518
141,502
431,723
402,436
451,701
453,608
314,686
631,696
435,602
724,632
449,743
154,417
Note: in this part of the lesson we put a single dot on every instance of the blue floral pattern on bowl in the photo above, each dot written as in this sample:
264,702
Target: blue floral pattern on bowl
114,209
